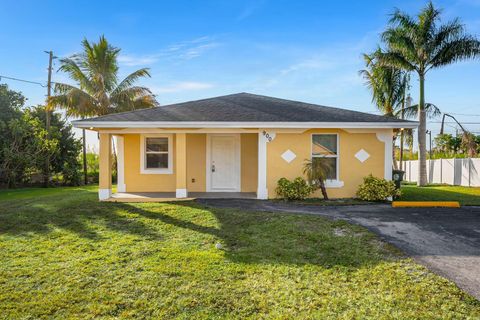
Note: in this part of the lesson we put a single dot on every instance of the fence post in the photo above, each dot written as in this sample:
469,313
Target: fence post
410,170
441,171
469,170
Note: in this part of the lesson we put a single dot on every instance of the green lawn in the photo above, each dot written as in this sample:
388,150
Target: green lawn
65,255
465,195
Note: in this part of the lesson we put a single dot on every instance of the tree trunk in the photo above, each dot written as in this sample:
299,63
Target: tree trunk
422,136
85,174
394,140
324,190
401,149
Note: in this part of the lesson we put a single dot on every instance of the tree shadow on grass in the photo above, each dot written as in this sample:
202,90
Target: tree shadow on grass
282,238
246,237
80,213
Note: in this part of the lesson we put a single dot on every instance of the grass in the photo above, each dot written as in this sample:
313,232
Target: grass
65,255
467,196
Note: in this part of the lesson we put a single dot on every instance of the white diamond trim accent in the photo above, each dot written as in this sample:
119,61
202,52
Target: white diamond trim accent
288,156
362,155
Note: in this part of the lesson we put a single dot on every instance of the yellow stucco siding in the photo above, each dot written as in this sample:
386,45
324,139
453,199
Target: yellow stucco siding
351,170
249,162
196,162
105,165
135,181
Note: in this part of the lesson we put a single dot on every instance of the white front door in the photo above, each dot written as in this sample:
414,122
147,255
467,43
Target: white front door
224,163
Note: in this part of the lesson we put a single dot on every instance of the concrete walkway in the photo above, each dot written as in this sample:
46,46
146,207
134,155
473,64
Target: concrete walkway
445,240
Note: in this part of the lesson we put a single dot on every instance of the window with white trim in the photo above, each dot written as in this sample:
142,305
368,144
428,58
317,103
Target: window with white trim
325,147
156,154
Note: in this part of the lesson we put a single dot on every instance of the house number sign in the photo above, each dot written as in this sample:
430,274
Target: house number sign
269,136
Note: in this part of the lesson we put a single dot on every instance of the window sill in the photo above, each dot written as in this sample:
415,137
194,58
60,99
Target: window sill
156,171
334,184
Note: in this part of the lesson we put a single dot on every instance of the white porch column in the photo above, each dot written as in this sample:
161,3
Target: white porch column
262,191
121,187
386,136
181,165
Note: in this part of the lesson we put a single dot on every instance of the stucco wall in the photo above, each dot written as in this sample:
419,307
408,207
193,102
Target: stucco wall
351,170
196,162
196,165
249,161
137,182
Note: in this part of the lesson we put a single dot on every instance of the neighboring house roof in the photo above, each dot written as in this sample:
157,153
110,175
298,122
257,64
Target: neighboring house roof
241,108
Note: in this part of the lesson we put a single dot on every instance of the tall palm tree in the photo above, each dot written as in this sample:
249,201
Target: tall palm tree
389,86
98,90
419,44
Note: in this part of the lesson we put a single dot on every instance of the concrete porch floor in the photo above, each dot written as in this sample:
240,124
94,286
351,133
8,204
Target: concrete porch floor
170,196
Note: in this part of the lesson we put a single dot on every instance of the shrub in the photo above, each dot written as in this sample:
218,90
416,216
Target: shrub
298,189
377,189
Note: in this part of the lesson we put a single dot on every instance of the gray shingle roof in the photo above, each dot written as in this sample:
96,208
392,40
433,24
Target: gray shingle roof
245,107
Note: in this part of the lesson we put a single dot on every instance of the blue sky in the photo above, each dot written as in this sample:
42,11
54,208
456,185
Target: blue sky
302,50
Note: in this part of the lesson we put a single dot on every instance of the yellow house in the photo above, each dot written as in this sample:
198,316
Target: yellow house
239,144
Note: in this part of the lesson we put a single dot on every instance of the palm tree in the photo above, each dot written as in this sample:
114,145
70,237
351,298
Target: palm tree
99,91
389,86
317,171
419,44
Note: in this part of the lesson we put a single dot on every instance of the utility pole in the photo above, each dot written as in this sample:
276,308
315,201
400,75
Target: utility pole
46,177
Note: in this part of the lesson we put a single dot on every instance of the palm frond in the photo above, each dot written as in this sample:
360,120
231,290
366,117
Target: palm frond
463,48
401,19
316,170
411,112
131,79
133,98
395,60
73,69
73,100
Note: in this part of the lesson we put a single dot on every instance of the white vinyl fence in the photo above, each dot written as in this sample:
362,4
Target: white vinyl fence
458,172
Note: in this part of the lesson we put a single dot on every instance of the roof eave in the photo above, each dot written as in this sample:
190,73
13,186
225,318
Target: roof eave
229,124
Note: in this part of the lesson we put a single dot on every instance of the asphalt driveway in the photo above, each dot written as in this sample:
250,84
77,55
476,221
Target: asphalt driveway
445,240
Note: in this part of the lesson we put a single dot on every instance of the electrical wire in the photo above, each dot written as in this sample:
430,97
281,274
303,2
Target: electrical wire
22,80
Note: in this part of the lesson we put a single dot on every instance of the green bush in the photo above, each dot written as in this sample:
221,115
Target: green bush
377,189
298,189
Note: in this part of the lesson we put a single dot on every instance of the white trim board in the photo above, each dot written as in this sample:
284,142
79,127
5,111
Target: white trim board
230,124
208,172
121,187
387,138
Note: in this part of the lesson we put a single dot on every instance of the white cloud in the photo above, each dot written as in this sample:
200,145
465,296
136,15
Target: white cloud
133,61
197,51
250,9
184,50
318,63
183,86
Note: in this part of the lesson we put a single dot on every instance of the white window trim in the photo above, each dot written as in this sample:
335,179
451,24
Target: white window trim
143,168
329,183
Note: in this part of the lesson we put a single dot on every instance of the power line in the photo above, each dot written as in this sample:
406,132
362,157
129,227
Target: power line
465,114
454,122
22,80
